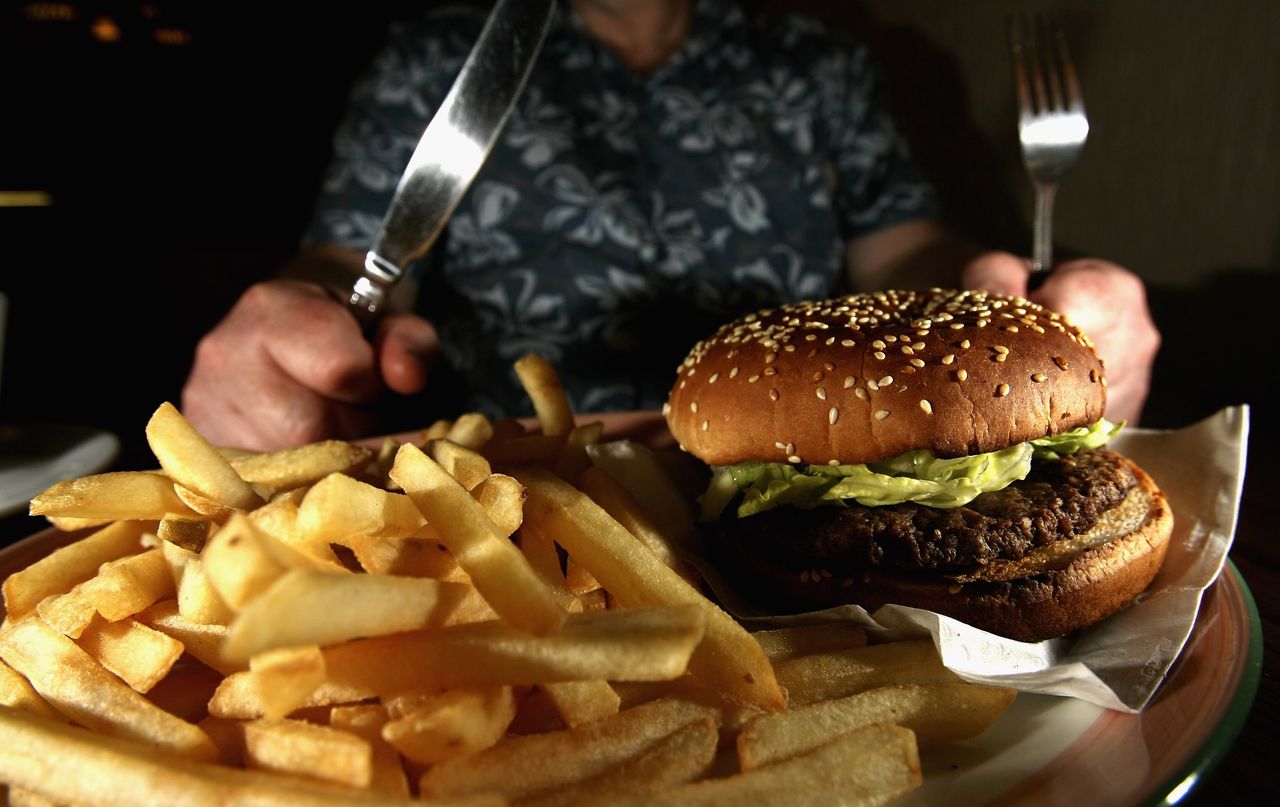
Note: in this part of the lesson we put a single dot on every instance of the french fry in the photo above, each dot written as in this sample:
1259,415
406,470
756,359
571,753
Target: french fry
242,561
542,384
502,499
452,724
59,571
279,519
203,641
418,556
117,496
839,673
228,736
366,721
615,500
298,467
305,749
780,644
686,754
524,766
198,600
78,687
871,766
637,468
632,644
438,430
497,569
466,465
121,588
937,713
73,524
728,661
35,754
305,607
580,702
339,507
471,430
190,461
137,654
17,693
204,506
286,677
188,533
573,458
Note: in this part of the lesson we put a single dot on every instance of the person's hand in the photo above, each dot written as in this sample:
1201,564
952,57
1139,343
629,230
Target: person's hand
288,365
1106,301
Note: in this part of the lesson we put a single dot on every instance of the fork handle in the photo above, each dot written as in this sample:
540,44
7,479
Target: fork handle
1042,229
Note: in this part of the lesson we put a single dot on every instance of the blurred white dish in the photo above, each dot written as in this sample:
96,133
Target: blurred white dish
37,455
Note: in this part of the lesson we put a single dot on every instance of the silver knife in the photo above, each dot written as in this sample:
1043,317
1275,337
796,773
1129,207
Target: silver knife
453,147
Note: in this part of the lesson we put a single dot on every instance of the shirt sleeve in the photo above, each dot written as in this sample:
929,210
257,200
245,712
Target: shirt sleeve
387,110
876,183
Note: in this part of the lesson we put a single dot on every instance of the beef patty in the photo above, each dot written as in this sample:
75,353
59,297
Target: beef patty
1058,499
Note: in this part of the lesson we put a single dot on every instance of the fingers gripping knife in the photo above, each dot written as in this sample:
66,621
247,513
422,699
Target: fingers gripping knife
452,148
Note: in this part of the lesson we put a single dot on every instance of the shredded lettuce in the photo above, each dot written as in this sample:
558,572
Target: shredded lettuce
916,476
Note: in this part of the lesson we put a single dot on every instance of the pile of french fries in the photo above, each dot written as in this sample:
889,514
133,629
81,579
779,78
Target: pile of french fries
480,616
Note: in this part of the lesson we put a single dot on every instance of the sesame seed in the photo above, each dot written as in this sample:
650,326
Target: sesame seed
705,425
908,350
881,414
849,381
872,384
955,326
818,375
1093,375
790,448
879,355
828,366
1000,356
822,394
666,409
753,378
1061,362
830,340
773,395
949,358
1038,377
891,338
714,378
962,374
833,414
966,344
886,381
954,589
771,371
780,446
790,348
917,362
847,342
1000,349
693,407
793,459
1011,328
833,462
1002,390
770,358
861,393
918,346
810,338
879,344
926,406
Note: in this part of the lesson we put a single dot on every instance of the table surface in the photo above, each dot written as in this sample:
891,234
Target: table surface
1245,774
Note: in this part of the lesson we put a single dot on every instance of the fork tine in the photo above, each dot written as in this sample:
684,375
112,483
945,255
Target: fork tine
1047,35
1017,47
1074,99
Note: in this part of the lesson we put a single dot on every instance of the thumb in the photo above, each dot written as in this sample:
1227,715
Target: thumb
407,344
1001,272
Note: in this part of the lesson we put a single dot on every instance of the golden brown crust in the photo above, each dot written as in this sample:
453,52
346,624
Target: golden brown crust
870,376
1091,587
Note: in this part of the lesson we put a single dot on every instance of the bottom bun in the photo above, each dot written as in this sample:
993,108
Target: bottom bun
1072,593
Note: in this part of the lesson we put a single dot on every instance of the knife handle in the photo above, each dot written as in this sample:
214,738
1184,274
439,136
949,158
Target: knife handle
369,293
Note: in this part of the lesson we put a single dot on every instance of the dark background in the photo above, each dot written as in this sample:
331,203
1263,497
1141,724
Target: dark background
181,154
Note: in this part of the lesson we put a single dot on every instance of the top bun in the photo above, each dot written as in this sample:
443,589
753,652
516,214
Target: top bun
867,377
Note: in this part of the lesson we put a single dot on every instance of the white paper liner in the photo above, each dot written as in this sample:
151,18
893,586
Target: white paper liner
1119,663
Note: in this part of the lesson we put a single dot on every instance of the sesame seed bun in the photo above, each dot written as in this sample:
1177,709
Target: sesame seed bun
870,376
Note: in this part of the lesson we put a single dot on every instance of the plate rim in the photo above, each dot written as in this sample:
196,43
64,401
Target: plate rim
1222,737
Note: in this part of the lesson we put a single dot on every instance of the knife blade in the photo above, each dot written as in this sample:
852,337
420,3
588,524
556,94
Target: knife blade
453,147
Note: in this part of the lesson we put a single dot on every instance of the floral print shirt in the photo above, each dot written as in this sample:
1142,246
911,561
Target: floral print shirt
622,216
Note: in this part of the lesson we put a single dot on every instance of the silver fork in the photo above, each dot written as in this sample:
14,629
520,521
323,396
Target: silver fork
1051,121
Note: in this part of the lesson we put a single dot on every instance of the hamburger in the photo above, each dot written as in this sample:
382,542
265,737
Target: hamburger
939,449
